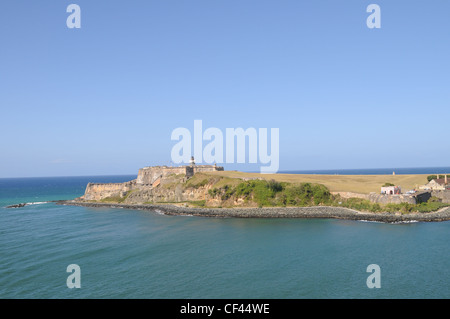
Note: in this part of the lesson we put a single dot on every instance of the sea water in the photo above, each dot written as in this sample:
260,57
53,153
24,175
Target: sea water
142,254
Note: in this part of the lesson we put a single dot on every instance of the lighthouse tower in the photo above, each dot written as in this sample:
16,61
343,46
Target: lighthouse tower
192,162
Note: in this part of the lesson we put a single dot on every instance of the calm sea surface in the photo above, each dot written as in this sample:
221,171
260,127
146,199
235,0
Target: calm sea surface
141,254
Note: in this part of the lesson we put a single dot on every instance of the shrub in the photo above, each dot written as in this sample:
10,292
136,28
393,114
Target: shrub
430,206
244,190
321,194
199,184
115,199
213,192
434,199
274,186
431,177
360,204
228,192
200,203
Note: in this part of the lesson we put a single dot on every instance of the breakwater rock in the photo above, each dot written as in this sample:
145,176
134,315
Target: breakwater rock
276,212
17,205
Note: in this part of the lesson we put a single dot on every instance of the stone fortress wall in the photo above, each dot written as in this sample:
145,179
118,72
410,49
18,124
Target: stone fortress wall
148,175
148,180
443,195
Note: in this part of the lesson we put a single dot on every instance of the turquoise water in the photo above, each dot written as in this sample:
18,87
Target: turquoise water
140,254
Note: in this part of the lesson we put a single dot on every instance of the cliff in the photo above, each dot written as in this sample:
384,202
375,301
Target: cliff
97,192
157,184
154,185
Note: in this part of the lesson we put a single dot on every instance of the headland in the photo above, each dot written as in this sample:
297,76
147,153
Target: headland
210,191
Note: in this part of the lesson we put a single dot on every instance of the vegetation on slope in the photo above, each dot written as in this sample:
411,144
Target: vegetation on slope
272,193
365,205
117,199
230,191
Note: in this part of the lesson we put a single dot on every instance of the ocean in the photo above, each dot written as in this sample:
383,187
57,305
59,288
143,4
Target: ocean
141,254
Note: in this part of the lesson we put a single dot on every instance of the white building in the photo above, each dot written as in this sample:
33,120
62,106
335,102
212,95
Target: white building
391,190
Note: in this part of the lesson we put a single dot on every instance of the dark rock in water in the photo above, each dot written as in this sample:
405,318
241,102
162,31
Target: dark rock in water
17,205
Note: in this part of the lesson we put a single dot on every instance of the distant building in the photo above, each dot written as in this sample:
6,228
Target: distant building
439,184
391,190
154,175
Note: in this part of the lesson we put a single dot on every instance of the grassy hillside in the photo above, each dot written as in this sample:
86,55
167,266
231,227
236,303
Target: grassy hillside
363,184
237,189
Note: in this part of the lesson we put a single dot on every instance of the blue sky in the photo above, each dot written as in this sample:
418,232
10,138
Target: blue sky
105,98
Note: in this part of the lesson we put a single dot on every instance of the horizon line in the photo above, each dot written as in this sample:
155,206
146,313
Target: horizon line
285,171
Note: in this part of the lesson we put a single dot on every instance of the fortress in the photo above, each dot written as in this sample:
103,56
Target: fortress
151,176
148,179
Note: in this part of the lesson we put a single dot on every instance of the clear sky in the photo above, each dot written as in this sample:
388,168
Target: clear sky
105,98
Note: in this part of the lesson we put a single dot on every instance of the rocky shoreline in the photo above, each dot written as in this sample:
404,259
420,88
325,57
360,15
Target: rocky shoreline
276,212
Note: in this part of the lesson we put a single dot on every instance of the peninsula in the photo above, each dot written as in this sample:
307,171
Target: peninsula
209,190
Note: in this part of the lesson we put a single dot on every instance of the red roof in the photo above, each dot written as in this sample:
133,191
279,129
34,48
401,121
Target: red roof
440,181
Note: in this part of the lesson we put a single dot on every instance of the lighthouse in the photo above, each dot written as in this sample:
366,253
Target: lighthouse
192,162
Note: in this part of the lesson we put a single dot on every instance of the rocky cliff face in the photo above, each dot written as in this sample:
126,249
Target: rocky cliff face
171,189
97,192
175,194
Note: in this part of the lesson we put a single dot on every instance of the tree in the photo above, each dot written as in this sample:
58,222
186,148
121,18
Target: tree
431,177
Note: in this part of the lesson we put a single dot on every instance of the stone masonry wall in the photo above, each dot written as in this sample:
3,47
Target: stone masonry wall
391,199
207,168
160,194
148,175
444,195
